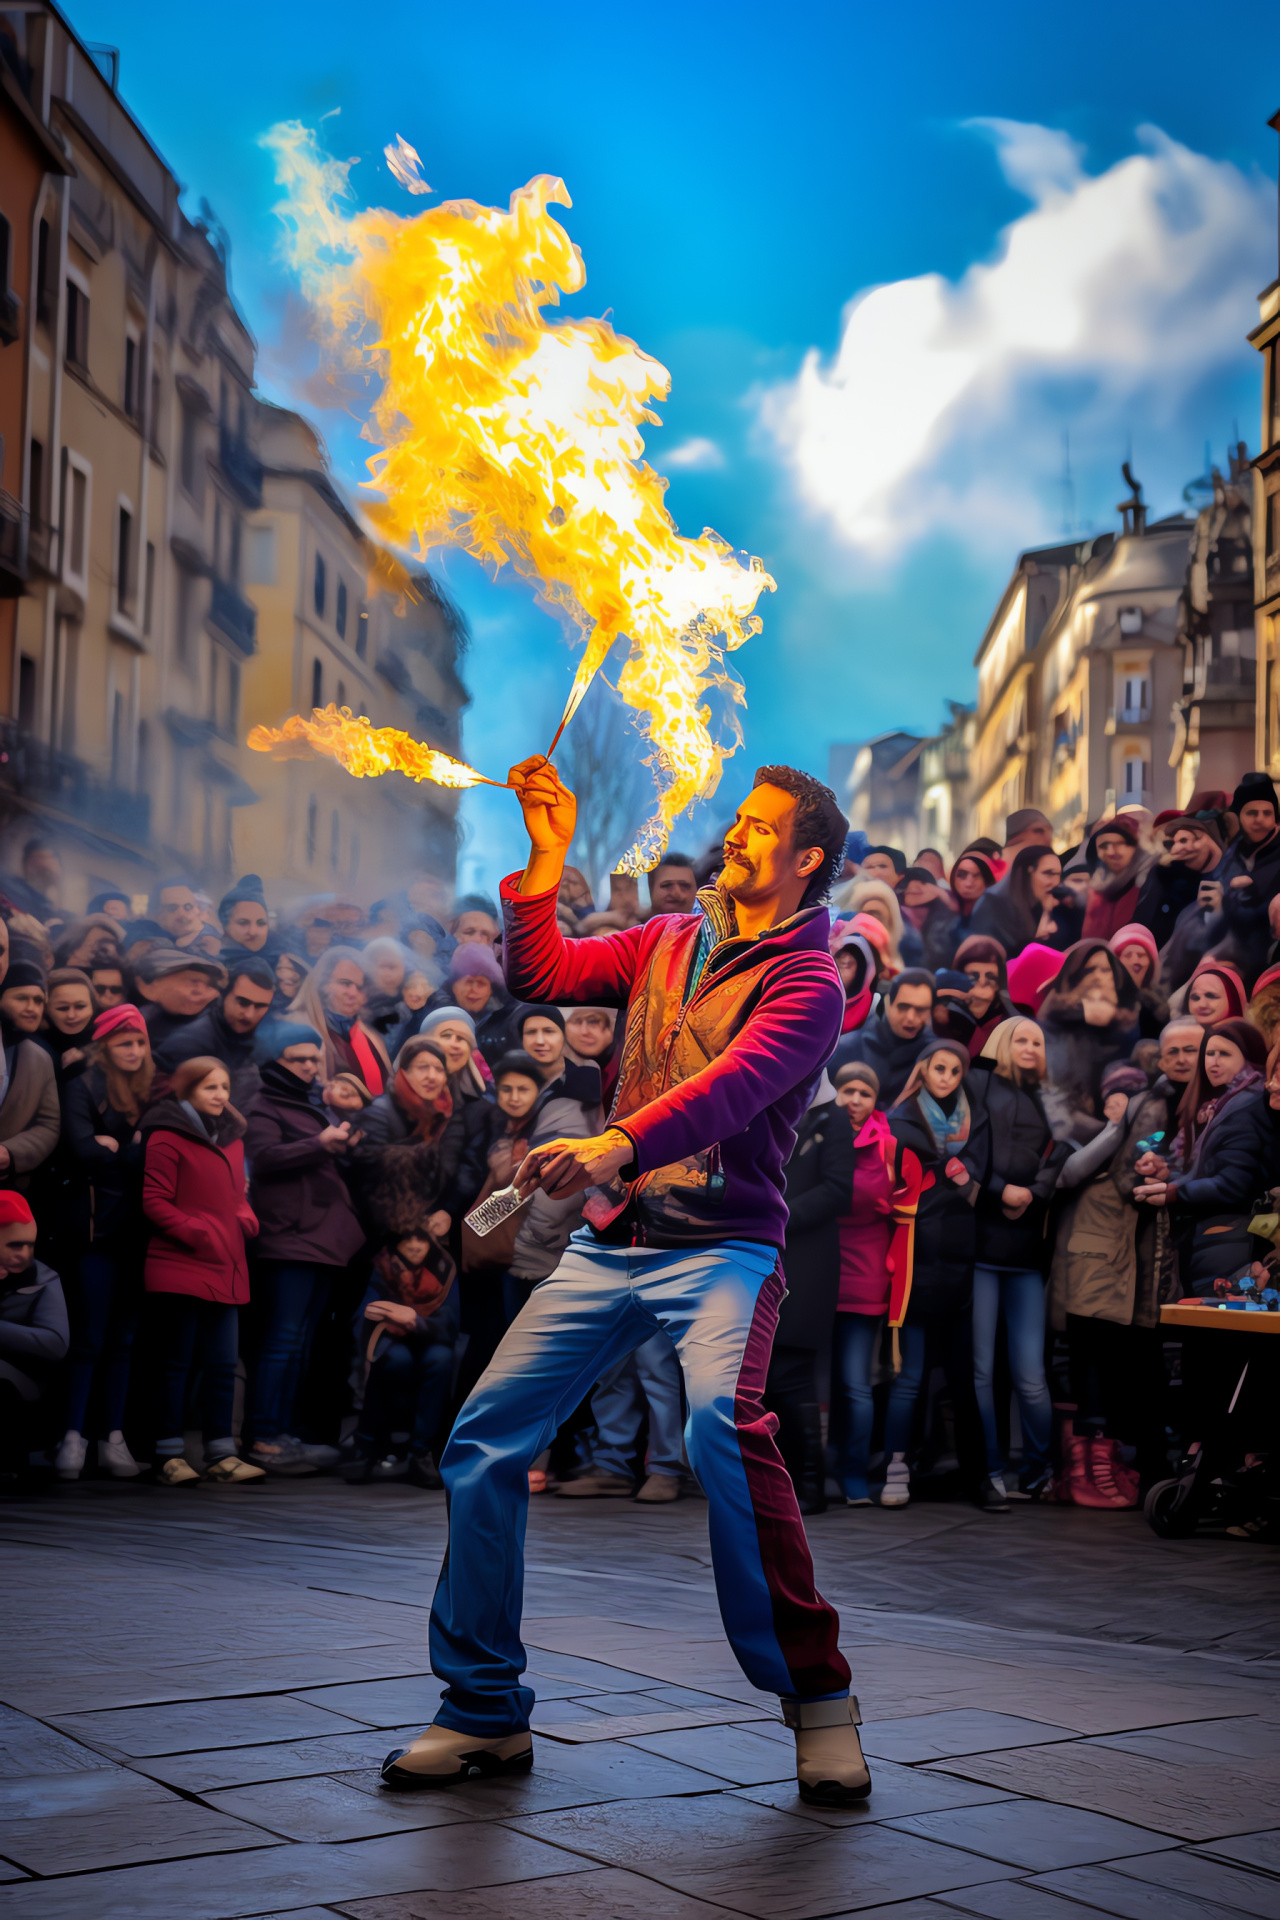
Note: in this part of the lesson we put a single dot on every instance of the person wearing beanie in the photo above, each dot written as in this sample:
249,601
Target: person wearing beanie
105,1233
30,1116
1117,865
308,1233
1250,877
33,1335
475,984
196,1273
1027,827
246,927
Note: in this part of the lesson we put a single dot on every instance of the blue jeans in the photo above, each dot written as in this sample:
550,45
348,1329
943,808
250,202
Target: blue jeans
294,1297
857,1343
189,1328
407,1391
719,1304
103,1302
1021,1293
652,1374
899,1415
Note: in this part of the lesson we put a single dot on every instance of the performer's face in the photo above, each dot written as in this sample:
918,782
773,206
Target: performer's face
760,861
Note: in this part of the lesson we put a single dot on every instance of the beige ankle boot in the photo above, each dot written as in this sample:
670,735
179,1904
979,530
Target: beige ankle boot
830,1769
439,1757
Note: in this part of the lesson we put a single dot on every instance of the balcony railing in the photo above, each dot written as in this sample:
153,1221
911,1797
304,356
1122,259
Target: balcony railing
233,616
34,771
13,546
241,466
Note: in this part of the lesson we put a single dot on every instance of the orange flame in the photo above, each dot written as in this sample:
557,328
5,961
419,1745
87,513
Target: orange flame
363,749
521,442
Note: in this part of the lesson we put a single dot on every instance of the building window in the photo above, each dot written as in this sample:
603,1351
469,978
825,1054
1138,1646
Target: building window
77,326
149,588
186,619
1135,777
1131,619
312,813
1135,697
78,523
362,634
233,551
124,560
44,277
319,589
190,450
262,557
340,615
317,684
132,378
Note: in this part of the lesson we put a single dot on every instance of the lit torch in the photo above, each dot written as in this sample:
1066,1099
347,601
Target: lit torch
520,441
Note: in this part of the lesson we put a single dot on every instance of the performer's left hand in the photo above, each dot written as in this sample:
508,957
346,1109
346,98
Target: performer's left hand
565,1167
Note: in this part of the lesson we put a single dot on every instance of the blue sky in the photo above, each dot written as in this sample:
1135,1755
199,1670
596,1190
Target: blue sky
1047,221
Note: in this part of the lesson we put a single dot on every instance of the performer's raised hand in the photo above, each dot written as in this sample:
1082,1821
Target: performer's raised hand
565,1167
550,816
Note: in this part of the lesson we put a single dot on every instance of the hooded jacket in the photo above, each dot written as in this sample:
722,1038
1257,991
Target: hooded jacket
193,1195
34,1332
298,1193
877,1046
710,1089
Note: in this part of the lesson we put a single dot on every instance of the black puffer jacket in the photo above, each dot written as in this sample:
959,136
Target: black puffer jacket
1020,1152
819,1177
1238,1160
946,1234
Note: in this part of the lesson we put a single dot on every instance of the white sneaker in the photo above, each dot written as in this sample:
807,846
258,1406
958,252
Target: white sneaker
73,1451
897,1484
114,1455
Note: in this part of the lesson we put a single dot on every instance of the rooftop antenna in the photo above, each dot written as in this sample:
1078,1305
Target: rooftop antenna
1133,512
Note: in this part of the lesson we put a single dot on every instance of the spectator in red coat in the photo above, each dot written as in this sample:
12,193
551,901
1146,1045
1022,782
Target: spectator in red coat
193,1193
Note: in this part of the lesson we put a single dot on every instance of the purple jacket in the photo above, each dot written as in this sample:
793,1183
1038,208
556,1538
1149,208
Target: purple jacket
709,1093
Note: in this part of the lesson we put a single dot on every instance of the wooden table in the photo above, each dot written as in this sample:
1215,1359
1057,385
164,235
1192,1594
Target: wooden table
1218,1319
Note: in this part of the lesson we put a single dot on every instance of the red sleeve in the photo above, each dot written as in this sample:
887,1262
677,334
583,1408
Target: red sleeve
902,1245
159,1184
541,965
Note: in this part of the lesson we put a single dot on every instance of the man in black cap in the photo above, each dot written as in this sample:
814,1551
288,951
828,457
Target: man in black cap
1182,895
1251,876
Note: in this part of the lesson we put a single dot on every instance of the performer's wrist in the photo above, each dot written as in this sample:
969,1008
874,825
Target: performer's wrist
544,871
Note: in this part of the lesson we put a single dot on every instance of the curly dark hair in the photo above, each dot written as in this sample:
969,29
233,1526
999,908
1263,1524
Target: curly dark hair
818,823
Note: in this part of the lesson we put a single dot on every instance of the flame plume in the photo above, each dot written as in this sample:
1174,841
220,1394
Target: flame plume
363,749
520,441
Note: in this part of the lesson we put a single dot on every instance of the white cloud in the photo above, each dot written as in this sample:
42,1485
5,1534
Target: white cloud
694,456
1108,302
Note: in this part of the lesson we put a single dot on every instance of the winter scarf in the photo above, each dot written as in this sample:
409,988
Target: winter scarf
1247,1078
421,1288
427,1118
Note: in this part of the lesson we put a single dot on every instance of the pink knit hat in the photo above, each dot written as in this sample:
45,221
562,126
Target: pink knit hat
1033,973
117,1018
1136,936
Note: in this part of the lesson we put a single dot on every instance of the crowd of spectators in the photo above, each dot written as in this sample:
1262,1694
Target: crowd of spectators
238,1149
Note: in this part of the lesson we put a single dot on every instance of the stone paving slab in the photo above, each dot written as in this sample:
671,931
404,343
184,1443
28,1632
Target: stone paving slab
199,1738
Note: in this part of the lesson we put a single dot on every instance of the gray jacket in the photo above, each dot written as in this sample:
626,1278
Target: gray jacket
548,1223
34,1334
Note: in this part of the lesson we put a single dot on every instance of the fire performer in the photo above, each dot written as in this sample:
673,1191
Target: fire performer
731,1013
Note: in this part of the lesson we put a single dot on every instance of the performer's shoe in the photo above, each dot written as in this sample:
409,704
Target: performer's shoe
830,1769
440,1757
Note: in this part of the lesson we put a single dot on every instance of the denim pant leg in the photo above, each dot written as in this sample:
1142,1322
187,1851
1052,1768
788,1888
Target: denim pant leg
571,1328
986,1315
617,1406
900,1414
219,1343
659,1372
177,1316
857,1336
434,1376
289,1289
1023,1298
104,1316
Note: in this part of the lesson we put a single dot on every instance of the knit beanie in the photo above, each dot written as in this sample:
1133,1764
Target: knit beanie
23,973
553,1014
248,887
273,1036
430,1021
1136,935
13,1208
471,961
858,1070
1255,786
1123,1077
124,1018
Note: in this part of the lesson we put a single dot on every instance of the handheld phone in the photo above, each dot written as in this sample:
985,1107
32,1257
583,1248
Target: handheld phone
1151,1142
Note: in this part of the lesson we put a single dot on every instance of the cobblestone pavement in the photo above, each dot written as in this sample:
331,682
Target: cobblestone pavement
1065,1716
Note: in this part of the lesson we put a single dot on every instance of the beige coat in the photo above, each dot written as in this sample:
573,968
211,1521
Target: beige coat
1104,1260
30,1117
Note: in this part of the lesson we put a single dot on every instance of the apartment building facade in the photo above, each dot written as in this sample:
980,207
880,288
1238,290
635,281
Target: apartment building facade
1266,512
140,647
